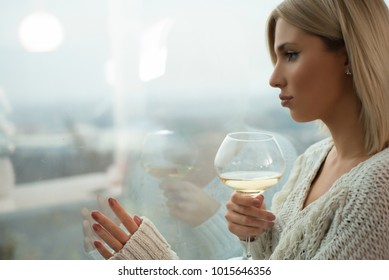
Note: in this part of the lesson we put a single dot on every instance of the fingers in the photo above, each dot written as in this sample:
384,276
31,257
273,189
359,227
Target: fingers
246,200
178,195
176,205
87,229
106,209
137,220
102,250
110,232
179,190
250,211
123,216
246,216
244,226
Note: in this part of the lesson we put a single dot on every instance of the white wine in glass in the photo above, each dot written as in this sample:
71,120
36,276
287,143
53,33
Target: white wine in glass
250,182
167,155
164,170
249,163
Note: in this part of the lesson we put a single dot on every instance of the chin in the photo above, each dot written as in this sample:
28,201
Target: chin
301,118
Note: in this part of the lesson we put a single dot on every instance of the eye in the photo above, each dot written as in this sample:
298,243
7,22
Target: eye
291,55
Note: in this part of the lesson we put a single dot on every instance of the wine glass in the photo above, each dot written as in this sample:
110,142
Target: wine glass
249,163
168,155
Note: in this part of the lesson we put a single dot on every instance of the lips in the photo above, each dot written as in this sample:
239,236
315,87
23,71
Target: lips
285,99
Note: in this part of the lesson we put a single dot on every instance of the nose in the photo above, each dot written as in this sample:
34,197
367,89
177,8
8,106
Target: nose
276,79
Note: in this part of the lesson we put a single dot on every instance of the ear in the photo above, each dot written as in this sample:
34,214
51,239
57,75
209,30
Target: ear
344,59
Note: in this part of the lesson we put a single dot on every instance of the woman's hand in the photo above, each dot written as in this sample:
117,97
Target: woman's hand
110,232
189,203
247,216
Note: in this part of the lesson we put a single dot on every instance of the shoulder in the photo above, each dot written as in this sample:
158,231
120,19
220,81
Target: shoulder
368,185
381,159
375,170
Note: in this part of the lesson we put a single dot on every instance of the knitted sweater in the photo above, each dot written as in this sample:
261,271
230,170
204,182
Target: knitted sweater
350,221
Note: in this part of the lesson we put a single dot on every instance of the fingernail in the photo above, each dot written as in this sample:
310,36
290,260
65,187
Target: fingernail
137,219
95,214
97,244
257,202
272,217
96,227
111,201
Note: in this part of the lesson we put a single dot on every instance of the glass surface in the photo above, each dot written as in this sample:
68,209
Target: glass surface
168,155
73,117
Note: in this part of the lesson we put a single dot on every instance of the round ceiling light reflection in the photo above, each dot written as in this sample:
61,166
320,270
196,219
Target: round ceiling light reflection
41,32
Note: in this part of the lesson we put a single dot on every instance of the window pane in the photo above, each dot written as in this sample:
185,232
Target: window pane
78,99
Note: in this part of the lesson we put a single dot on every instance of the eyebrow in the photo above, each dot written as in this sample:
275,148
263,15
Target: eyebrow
282,47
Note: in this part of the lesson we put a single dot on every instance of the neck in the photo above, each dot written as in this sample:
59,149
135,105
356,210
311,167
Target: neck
348,135
345,127
349,146
348,142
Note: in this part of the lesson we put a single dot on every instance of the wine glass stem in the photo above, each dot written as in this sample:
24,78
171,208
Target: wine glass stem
247,249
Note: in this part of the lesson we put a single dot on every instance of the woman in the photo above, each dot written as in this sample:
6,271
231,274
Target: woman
331,64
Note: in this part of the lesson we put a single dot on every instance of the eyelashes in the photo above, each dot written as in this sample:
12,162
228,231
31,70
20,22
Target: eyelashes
291,56
287,56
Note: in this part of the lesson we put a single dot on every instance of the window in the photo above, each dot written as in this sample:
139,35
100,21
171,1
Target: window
84,93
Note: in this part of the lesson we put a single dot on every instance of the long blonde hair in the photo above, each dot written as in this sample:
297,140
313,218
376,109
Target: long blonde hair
362,27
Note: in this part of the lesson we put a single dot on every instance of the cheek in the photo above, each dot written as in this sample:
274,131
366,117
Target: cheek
316,80
312,89
305,81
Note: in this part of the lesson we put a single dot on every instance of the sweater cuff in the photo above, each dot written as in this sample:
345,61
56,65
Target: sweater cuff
146,244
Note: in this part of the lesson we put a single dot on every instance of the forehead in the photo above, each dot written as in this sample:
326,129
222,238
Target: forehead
286,33
284,28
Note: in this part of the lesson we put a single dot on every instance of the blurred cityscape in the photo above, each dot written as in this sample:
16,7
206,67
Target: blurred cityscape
60,141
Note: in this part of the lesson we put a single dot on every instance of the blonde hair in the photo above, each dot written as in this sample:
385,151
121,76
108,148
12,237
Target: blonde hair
362,28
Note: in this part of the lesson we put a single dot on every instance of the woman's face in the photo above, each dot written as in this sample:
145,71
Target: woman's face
312,79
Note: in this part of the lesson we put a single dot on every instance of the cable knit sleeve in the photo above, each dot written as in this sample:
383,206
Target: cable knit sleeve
362,231
146,244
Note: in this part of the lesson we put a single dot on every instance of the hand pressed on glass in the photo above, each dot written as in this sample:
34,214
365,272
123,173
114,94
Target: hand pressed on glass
111,233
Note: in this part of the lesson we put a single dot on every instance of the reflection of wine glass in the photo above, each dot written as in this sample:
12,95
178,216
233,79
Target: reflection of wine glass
168,155
250,163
